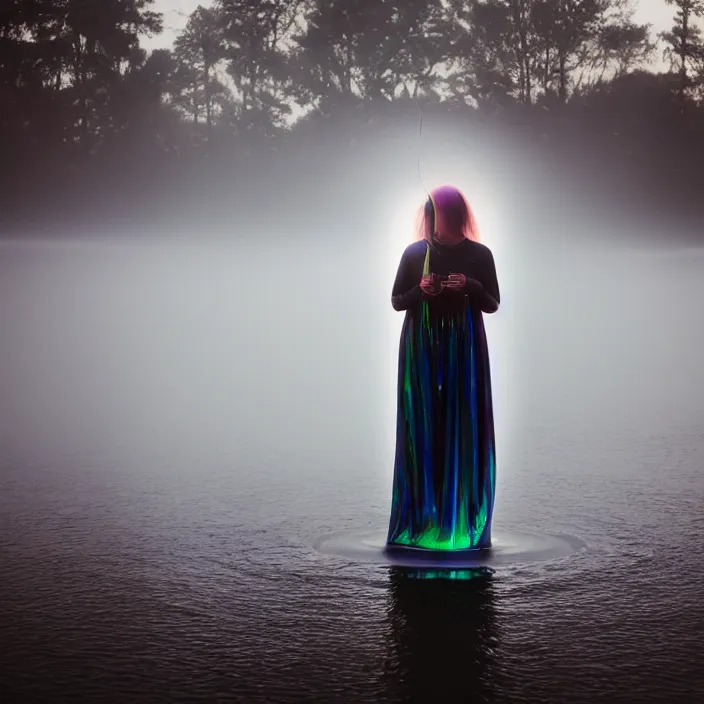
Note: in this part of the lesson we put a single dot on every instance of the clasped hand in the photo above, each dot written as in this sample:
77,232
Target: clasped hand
454,282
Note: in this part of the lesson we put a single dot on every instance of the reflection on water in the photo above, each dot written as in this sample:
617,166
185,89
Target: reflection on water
461,575
443,639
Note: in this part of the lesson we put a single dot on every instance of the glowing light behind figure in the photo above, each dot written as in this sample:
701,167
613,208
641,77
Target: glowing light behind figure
403,218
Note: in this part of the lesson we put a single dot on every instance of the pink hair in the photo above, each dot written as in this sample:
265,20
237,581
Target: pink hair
452,213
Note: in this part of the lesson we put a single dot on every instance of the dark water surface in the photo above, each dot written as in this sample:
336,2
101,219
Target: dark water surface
176,436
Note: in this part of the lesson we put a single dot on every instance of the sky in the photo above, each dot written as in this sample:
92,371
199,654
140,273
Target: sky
654,12
176,14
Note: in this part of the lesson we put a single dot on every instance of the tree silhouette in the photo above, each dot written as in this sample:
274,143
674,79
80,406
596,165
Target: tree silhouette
66,70
257,38
355,51
83,106
685,48
526,51
198,50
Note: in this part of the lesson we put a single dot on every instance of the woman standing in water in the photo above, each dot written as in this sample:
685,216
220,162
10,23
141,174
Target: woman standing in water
444,474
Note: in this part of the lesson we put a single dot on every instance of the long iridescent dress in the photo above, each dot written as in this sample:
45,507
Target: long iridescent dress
445,467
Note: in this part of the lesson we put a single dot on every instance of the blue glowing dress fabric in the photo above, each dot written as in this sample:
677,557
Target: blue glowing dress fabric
445,466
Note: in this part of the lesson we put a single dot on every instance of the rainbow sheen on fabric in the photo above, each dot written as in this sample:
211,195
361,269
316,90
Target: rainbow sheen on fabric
445,468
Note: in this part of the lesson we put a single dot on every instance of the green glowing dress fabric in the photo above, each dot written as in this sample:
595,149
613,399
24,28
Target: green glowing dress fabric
445,466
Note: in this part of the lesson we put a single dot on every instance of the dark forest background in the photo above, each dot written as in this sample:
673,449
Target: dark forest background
269,100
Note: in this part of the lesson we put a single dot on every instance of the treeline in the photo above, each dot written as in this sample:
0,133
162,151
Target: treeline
87,116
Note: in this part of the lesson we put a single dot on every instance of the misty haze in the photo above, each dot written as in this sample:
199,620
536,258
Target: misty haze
201,219
187,418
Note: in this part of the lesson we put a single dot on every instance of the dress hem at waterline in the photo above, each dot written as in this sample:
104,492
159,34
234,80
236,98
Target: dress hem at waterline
444,473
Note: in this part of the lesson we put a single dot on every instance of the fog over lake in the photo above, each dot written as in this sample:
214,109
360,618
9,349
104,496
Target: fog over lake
180,420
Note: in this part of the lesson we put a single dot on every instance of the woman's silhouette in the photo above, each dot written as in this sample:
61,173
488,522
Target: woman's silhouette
444,475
